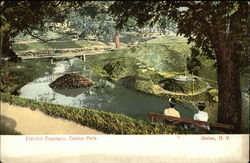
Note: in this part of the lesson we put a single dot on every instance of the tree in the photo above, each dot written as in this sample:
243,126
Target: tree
193,63
93,19
220,26
26,16
167,24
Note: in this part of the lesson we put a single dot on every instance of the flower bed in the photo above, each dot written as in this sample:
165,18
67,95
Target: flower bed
71,81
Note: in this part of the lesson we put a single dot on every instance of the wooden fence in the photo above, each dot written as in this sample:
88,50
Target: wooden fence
154,116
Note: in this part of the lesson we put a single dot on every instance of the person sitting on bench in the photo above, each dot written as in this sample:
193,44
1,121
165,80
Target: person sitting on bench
171,111
201,115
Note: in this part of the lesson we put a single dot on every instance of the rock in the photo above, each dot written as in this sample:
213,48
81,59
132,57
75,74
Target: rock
71,81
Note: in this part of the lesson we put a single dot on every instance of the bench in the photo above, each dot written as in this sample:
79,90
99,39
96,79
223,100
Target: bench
225,127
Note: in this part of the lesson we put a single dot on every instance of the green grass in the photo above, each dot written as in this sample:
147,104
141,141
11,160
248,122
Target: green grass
37,46
63,45
169,39
50,45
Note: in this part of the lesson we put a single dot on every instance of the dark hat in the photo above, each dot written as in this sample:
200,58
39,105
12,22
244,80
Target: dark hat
172,100
201,103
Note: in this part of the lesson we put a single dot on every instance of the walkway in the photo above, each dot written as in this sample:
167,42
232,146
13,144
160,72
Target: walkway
30,122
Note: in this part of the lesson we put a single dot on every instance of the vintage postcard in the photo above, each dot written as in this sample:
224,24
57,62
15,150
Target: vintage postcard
124,81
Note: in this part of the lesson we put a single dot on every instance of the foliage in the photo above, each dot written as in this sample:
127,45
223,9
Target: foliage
171,84
120,67
19,74
167,24
23,17
106,122
30,17
92,20
144,82
7,82
8,131
71,80
50,45
193,63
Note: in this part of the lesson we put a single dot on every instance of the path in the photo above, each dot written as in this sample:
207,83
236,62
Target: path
30,122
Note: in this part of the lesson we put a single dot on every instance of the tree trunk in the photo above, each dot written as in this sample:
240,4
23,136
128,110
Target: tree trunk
1,45
229,105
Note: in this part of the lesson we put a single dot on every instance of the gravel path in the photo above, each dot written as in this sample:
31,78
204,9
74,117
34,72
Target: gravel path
31,122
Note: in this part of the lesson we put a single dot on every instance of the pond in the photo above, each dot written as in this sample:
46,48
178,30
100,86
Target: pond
104,95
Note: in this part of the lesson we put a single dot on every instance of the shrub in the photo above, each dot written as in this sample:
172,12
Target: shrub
71,80
119,68
173,85
8,131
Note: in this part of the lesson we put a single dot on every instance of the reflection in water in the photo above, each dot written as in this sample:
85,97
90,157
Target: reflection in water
62,66
70,92
104,95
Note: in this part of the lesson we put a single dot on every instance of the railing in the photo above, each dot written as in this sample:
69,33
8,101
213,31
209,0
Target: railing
154,116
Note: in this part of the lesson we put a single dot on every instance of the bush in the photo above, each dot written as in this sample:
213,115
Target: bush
8,131
71,80
173,85
18,74
119,68
143,82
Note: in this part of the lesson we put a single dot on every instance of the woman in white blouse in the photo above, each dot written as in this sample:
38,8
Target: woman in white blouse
201,115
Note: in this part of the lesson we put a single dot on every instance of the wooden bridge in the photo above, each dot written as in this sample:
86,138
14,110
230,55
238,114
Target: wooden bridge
82,54
175,120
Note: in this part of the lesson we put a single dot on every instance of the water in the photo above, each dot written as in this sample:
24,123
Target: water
104,95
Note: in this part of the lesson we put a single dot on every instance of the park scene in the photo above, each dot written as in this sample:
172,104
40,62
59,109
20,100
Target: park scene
124,67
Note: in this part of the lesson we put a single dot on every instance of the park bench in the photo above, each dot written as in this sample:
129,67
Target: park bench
223,127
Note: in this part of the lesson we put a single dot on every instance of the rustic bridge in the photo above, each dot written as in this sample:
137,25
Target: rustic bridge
81,55
66,55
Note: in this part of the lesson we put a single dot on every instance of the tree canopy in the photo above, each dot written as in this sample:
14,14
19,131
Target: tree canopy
92,19
27,16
